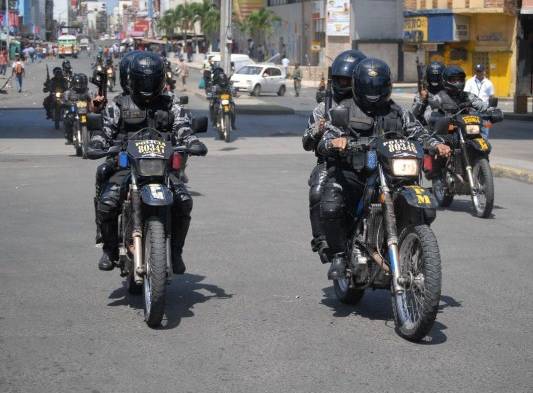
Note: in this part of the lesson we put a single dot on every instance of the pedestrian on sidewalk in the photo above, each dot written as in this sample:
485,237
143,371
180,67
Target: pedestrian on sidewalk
285,64
3,62
183,72
482,87
297,78
18,72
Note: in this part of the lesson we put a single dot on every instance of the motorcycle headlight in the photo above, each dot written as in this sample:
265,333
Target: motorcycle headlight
151,167
169,75
405,167
58,95
224,102
98,68
472,129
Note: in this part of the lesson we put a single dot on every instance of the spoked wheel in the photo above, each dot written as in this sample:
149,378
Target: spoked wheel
483,197
415,308
226,127
84,142
77,142
440,190
155,280
346,294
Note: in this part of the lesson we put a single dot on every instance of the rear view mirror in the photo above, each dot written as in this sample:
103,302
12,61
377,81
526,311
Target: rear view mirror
340,117
199,124
184,100
95,121
493,102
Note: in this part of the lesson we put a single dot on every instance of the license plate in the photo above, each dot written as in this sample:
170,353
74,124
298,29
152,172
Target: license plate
471,119
81,104
226,108
83,118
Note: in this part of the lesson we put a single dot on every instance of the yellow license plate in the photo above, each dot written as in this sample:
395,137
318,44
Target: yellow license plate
83,118
470,119
226,108
225,97
81,104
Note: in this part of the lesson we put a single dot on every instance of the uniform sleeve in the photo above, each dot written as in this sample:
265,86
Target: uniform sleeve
324,147
414,130
181,127
477,103
311,135
419,106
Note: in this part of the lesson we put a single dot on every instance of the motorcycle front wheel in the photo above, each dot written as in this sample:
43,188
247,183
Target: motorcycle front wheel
226,127
415,308
484,183
345,294
57,117
84,142
155,280
77,143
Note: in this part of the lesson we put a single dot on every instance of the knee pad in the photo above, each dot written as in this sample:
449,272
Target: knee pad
109,202
332,202
315,194
104,172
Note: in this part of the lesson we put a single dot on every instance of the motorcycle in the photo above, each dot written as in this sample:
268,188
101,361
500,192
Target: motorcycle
145,219
467,170
76,116
391,245
222,110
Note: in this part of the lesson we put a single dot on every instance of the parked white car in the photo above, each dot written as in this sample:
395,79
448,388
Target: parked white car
260,78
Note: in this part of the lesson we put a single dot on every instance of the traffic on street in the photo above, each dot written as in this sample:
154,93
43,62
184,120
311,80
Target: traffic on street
215,230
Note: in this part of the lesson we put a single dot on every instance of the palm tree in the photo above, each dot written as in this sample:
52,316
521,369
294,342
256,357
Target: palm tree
260,24
167,23
184,17
208,16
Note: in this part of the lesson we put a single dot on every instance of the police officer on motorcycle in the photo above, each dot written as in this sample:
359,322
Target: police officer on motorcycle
220,84
425,98
341,74
79,91
57,83
372,113
67,69
142,104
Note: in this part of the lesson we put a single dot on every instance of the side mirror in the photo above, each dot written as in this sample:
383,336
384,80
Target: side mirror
265,75
184,100
199,124
95,121
493,102
340,117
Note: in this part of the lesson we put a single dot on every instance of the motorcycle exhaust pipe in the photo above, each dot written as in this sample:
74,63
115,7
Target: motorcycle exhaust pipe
378,259
137,258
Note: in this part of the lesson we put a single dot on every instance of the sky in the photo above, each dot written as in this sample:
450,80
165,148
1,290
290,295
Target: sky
60,8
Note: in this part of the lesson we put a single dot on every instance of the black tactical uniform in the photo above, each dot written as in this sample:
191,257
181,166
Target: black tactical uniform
78,92
57,83
372,113
341,74
434,86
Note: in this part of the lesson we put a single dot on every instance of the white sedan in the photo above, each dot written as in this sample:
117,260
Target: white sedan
260,78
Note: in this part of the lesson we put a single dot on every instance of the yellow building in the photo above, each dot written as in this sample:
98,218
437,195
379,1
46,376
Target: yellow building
469,33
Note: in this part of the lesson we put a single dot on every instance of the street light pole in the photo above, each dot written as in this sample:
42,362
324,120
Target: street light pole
225,35
6,22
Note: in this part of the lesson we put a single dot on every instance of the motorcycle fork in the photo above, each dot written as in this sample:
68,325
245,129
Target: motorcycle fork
468,167
138,268
389,219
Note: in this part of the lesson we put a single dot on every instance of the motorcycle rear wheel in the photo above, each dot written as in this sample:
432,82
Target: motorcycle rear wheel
484,182
155,280
443,197
415,309
345,294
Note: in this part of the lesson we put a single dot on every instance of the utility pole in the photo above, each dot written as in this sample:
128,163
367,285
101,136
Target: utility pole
226,35
6,23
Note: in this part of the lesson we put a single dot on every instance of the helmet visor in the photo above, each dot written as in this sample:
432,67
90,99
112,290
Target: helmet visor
147,86
373,88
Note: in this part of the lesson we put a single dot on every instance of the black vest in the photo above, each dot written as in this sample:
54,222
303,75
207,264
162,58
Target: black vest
132,118
449,104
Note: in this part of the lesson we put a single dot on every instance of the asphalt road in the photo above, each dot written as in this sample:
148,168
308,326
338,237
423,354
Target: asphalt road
255,312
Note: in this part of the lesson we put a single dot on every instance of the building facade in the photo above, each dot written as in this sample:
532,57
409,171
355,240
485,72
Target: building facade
465,33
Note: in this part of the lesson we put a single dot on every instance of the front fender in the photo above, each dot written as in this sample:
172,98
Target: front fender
156,195
479,145
415,197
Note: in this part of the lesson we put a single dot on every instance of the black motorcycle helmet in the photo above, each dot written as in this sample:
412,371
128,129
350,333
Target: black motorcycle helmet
371,84
453,79
124,67
434,76
342,70
146,78
79,83
58,72
66,66
109,61
219,76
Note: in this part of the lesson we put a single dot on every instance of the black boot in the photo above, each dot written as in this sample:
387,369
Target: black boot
338,267
106,261
180,227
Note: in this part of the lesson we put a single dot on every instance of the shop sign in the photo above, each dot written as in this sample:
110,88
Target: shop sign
415,29
496,36
338,18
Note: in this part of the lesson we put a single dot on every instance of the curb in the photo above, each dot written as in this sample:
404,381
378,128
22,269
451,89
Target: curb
517,116
522,175
258,109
